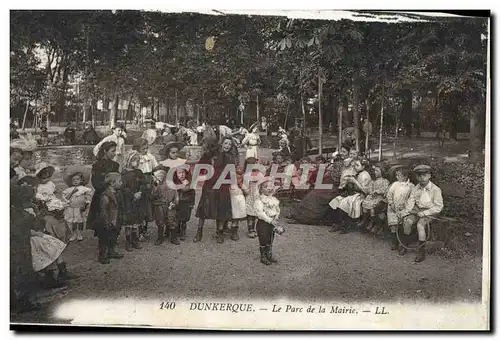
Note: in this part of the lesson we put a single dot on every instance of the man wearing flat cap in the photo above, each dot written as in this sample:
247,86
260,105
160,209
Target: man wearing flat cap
425,200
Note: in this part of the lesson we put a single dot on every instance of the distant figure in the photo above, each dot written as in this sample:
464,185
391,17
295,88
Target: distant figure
13,132
45,136
69,134
89,135
150,134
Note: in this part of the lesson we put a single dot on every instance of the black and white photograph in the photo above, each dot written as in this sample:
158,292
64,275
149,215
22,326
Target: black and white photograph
250,170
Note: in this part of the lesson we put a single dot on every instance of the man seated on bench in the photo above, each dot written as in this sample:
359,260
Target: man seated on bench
425,200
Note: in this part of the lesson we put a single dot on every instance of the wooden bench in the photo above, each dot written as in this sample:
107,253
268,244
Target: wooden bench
442,234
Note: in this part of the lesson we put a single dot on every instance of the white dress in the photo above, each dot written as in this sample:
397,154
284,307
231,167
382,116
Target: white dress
352,204
251,141
45,250
46,193
252,191
397,195
238,204
147,163
80,196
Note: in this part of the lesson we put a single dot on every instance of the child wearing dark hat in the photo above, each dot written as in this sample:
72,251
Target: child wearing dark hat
164,199
187,197
77,198
110,219
425,200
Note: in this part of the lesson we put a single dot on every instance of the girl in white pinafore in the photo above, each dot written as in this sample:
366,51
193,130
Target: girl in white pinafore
351,205
251,142
238,205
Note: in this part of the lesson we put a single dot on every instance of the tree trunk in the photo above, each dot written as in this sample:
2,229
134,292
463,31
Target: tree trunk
258,113
176,109
396,137
367,133
381,122
94,110
25,113
355,111
320,115
114,111
286,116
475,135
62,98
340,113
303,122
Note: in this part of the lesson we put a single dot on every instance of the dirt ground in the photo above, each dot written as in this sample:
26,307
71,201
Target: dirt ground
314,265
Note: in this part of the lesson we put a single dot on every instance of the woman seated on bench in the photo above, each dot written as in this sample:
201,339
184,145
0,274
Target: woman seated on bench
348,206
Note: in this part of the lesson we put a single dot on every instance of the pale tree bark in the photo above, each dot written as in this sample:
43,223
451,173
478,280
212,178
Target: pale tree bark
475,135
320,115
355,111
26,113
114,110
381,122
340,113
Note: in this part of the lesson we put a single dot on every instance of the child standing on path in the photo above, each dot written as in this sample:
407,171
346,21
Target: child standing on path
238,204
164,200
77,197
111,216
268,211
251,194
187,197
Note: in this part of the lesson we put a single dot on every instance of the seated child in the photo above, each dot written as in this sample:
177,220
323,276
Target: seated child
397,198
53,206
425,200
375,201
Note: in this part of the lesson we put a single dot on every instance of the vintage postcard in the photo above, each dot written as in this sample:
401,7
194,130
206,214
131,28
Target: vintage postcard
250,170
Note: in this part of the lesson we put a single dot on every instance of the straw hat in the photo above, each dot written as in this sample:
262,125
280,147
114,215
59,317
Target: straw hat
71,171
166,148
44,167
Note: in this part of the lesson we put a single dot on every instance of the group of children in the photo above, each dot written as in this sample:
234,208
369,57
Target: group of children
369,199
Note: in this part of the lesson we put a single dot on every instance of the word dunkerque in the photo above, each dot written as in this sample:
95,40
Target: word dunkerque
222,307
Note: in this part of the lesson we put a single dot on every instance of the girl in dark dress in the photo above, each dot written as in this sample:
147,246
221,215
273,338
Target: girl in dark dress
103,166
133,189
215,203
182,176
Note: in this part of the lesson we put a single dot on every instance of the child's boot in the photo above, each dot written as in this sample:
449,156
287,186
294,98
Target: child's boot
63,272
404,241
251,230
220,236
234,233
73,232
183,228
199,235
270,256
135,240
51,281
159,240
173,237
112,253
103,253
395,242
421,252
79,232
263,255
128,242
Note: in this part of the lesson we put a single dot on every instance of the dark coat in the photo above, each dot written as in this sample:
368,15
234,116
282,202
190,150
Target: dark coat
111,210
99,171
133,211
186,203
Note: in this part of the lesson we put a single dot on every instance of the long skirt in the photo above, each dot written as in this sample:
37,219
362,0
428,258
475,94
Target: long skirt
351,205
56,227
215,204
92,217
251,152
45,250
